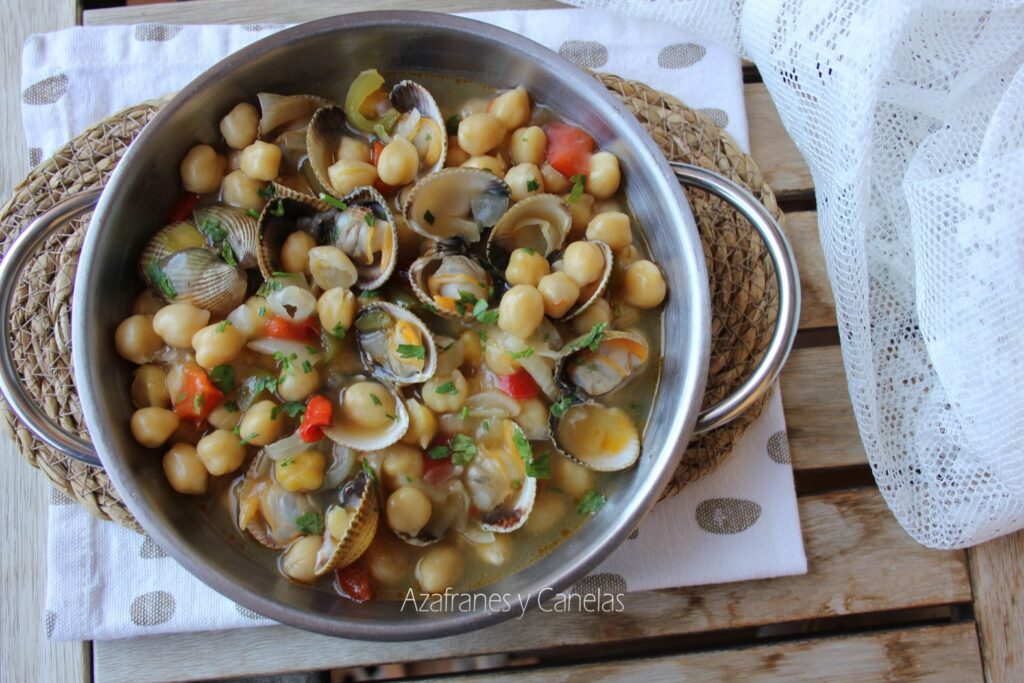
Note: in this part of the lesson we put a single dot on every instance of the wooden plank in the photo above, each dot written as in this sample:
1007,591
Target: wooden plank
819,416
997,576
860,561
771,147
25,653
818,307
928,654
273,12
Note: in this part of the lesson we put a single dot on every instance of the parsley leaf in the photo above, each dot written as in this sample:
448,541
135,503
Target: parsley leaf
278,208
370,219
213,231
522,446
287,461
228,254
532,185
411,351
463,449
339,331
438,452
591,340
159,278
464,413
578,181
485,316
224,377
310,523
222,325
540,466
368,468
525,353
591,502
447,388
267,191
336,203
429,217
285,361
307,367
252,213
264,383
373,397
290,408
559,407
231,407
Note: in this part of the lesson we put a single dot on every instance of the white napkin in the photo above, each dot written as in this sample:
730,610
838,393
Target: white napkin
739,522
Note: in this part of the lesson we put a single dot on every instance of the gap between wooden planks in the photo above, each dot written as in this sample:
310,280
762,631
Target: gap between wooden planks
860,561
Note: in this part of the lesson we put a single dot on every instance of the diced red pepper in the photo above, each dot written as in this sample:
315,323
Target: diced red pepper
380,185
569,149
198,395
317,415
182,209
354,583
282,328
519,385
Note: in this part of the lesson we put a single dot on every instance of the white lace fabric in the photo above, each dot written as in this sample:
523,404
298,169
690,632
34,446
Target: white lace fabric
911,118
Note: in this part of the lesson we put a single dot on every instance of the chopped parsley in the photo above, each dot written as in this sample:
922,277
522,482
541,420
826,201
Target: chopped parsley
228,254
482,335
451,124
339,331
481,313
532,185
464,413
267,191
447,388
591,502
373,397
264,383
368,468
411,351
370,219
222,325
591,340
429,217
231,407
336,203
525,353
287,461
463,449
438,453
278,209
307,367
559,407
529,251
578,181
160,280
224,377
369,294
262,312
312,350
213,231
486,425
252,213
197,403
466,299
245,440
522,446
540,466
290,408
285,361
270,286
310,523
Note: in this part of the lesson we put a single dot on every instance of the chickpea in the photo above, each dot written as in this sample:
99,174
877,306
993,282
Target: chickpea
299,561
549,509
240,126
533,418
495,165
261,161
298,385
201,169
524,180
512,107
353,149
456,155
472,348
184,470
643,285
295,251
338,520
368,404
401,465
628,257
528,145
151,427
242,191
408,510
496,553
439,568
220,452
387,560
582,211
445,394
422,424
301,473
480,133
251,317
427,141
526,267
574,480
149,388
604,176
559,292
261,424
222,418
555,182
521,310
399,162
625,315
346,175
136,340
176,323
147,303
499,359
584,262
475,105
598,312
336,308
217,344
612,228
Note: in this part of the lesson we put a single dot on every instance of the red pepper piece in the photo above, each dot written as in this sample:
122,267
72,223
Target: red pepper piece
354,583
198,395
281,328
519,385
182,209
318,414
569,149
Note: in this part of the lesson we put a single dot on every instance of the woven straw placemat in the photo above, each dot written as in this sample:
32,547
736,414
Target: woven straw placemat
743,290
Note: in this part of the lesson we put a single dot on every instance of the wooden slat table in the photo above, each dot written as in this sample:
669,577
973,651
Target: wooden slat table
874,605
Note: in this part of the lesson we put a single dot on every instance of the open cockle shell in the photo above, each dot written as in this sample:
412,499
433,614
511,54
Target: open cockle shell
323,139
200,278
239,229
286,111
619,357
168,240
381,330
297,211
456,204
595,436
367,233
500,464
450,505
359,499
429,131
362,438
540,222
266,509
450,282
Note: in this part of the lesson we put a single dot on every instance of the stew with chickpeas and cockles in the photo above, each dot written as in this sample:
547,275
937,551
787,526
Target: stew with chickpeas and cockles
400,340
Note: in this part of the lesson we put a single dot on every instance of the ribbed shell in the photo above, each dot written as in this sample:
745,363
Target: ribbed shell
364,439
202,279
592,292
425,266
362,527
636,346
456,204
323,137
409,95
242,231
540,222
374,345
278,111
168,240
274,230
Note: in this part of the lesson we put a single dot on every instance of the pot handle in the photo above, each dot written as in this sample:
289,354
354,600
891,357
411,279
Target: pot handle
14,391
761,379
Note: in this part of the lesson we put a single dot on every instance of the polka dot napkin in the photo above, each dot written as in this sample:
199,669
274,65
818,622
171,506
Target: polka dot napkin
739,522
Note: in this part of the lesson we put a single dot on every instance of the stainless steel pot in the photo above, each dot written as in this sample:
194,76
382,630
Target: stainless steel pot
317,57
